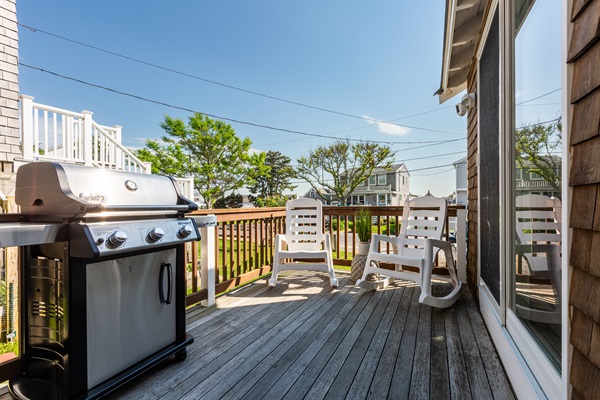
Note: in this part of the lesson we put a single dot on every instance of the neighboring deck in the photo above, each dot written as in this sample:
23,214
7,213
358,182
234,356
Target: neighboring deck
303,339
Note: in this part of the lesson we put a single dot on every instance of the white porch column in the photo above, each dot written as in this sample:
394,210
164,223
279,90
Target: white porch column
27,126
461,244
87,135
208,229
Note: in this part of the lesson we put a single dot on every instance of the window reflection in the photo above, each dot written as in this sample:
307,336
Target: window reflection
537,178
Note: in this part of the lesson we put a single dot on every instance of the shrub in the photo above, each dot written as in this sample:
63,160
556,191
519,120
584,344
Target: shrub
335,227
362,223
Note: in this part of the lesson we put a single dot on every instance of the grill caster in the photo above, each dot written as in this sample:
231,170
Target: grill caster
181,355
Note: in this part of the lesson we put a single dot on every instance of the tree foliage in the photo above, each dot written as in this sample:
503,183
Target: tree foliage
209,150
268,187
345,164
536,148
234,200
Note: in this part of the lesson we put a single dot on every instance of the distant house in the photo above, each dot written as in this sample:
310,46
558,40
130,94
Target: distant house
460,169
383,188
527,181
323,195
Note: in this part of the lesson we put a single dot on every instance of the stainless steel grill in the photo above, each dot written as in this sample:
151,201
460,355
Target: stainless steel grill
105,298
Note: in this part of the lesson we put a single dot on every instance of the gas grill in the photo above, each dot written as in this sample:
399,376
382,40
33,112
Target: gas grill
106,300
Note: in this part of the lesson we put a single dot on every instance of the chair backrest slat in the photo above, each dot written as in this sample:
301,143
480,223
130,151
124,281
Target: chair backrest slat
422,212
304,224
537,223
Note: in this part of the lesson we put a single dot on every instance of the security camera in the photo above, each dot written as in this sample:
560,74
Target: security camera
469,100
461,109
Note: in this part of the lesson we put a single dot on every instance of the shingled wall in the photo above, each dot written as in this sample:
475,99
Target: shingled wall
584,55
9,85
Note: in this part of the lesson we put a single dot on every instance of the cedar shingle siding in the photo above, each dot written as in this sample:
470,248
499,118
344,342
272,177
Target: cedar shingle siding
472,187
9,86
584,54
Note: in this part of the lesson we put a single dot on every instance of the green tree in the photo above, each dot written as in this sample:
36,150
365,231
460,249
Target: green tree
346,165
269,186
536,148
209,150
234,200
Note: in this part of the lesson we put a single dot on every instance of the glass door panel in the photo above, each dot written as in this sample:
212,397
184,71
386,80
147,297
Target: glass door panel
535,281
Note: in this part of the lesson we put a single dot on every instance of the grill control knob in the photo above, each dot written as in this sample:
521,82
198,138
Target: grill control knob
116,239
185,231
155,235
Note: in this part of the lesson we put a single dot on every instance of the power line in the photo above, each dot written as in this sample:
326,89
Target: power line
426,143
539,97
434,156
174,71
436,173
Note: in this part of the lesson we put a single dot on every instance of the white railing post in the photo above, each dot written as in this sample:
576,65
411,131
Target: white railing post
461,244
27,126
147,167
208,229
119,155
87,135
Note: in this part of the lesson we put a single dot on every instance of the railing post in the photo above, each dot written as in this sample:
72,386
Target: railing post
147,167
208,227
87,137
27,126
461,244
119,155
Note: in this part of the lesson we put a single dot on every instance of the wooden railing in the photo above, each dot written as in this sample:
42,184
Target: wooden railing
243,248
243,245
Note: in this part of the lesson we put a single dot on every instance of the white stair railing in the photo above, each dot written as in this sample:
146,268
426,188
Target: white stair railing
53,134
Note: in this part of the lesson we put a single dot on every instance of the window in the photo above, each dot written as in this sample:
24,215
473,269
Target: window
381,179
362,183
381,199
534,176
519,174
372,180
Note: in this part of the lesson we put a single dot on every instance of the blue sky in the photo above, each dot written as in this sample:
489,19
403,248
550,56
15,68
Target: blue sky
379,59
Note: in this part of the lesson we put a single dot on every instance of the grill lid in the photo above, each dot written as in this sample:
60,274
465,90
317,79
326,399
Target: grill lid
69,191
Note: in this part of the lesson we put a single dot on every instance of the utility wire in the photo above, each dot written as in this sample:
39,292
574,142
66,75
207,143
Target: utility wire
426,143
174,71
539,97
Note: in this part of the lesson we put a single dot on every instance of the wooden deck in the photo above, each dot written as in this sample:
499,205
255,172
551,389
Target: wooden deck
303,339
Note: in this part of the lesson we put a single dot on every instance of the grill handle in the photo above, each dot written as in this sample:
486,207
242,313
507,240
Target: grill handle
161,290
172,207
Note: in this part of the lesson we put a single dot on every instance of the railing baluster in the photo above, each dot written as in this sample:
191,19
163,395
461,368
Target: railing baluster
346,237
216,255
237,248
244,244
231,251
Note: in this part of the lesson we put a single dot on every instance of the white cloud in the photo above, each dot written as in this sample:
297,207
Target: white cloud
255,151
388,129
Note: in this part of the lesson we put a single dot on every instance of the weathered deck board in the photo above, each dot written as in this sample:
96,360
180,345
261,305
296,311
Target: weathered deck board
304,339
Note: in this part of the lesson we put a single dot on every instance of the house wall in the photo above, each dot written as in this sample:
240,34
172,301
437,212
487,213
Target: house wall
472,193
584,55
9,85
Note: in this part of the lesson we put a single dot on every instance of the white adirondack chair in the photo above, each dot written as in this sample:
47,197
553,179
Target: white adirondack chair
539,243
420,237
303,239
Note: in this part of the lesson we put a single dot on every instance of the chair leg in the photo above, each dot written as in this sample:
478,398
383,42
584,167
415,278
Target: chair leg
332,279
273,280
365,271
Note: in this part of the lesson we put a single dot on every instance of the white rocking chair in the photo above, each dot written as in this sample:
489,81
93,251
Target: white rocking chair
538,244
420,237
305,239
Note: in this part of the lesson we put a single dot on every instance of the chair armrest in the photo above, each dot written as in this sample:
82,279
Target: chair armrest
446,247
280,240
375,239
